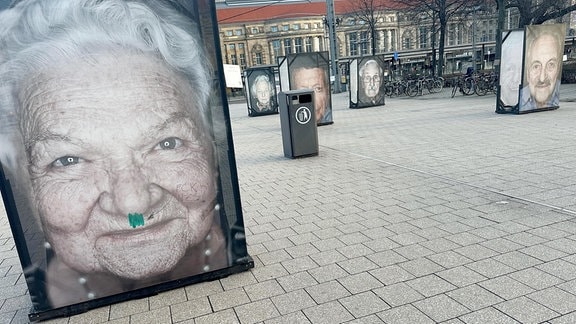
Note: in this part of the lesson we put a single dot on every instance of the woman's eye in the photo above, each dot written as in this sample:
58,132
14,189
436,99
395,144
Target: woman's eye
66,161
170,143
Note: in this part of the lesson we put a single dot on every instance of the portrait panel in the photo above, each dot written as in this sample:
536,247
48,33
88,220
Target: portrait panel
371,81
511,67
261,89
311,71
353,84
117,169
544,47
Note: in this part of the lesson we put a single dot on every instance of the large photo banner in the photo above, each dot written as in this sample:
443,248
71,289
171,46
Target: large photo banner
510,70
367,83
117,165
261,93
309,71
544,48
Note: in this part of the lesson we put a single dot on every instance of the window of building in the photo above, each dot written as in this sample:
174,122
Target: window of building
308,44
276,47
391,19
285,27
353,44
243,60
316,25
407,44
364,42
393,40
228,33
298,45
383,41
306,26
408,38
287,46
423,33
296,26
233,59
484,37
258,58
241,46
238,32
232,47
452,34
254,30
274,29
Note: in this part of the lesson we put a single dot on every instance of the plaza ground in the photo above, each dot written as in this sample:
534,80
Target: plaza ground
425,210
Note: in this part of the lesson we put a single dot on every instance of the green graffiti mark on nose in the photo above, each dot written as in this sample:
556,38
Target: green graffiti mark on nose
136,219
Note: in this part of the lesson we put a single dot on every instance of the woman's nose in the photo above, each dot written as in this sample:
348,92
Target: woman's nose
130,191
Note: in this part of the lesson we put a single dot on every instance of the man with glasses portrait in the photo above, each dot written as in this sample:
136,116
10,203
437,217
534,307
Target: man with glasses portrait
370,84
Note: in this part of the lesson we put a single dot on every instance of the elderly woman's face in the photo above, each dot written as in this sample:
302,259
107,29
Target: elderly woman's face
109,142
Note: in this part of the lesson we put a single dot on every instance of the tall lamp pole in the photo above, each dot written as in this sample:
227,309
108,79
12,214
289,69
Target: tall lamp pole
331,22
499,30
474,37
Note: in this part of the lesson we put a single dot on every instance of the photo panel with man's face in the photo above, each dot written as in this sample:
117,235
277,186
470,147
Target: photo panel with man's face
543,52
311,71
261,90
370,81
125,184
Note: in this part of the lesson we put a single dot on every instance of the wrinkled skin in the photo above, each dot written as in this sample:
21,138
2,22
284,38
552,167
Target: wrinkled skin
263,95
112,138
510,80
371,80
543,67
315,79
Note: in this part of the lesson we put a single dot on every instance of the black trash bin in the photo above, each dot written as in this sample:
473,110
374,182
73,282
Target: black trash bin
298,123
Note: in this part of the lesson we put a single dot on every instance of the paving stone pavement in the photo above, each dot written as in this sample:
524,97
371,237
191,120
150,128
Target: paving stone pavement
425,210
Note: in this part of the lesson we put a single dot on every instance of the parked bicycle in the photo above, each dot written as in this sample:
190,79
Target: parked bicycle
432,84
485,83
478,83
464,84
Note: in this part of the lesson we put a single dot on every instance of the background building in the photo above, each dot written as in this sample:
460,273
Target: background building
258,34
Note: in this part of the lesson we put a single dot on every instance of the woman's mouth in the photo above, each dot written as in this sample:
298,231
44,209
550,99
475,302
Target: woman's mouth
144,234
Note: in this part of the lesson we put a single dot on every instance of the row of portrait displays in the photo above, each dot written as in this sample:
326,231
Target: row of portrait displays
310,71
117,167
295,72
531,69
530,73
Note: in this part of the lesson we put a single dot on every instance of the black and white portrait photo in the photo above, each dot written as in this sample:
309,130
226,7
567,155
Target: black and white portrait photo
107,139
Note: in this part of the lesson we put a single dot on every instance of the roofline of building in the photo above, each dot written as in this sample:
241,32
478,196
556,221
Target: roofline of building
266,12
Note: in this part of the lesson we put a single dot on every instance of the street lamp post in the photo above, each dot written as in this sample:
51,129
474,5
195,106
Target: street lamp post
474,38
331,22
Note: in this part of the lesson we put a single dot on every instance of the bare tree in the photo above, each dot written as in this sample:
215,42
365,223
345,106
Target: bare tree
439,12
535,12
367,14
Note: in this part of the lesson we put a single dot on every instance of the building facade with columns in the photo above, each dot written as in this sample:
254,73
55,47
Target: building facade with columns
252,36
258,35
